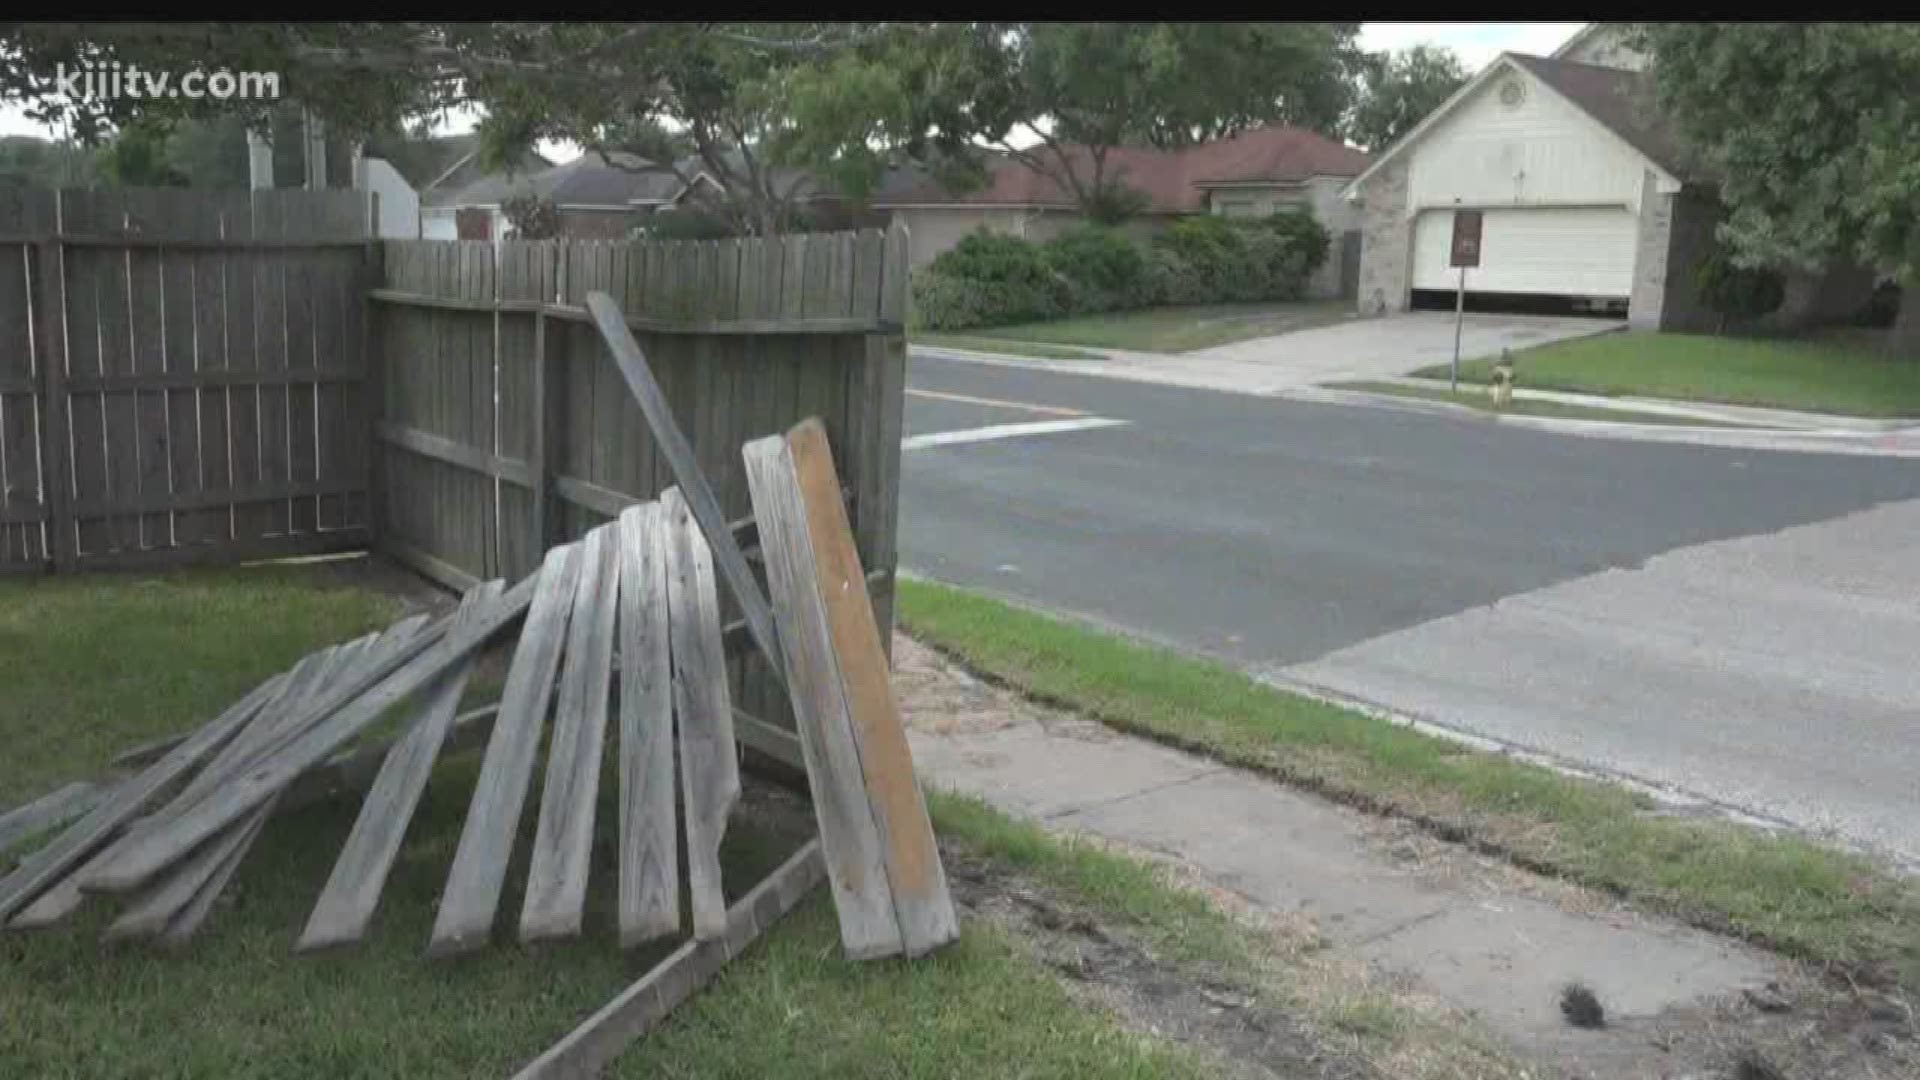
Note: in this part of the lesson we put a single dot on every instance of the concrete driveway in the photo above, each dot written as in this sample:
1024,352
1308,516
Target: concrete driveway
1356,349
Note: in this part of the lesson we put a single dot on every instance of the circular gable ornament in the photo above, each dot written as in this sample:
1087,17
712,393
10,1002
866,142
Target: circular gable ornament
1512,93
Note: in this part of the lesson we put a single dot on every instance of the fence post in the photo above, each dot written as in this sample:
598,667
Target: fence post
373,384
886,375
56,474
549,406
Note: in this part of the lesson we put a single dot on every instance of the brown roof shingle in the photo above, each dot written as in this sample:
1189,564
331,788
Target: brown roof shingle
1621,100
1172,180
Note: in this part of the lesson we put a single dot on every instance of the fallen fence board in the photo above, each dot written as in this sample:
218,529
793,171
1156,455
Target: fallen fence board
155,906
51,810
352,891
699,497
557,876
709,771
44,867
347,712
589,1048
914,873
649,895
472,894
849,835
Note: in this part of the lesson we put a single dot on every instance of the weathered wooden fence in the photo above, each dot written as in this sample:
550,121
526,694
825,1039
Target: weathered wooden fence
182,375
504,426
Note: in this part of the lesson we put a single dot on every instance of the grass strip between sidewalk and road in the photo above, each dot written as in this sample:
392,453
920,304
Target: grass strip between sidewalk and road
1002,346
1800,897
1839,372
1176,329
1475,398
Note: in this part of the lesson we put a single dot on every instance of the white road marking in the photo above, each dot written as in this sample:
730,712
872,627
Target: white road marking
1005,431
941,395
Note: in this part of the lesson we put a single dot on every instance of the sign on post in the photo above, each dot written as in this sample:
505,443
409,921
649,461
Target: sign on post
1463,252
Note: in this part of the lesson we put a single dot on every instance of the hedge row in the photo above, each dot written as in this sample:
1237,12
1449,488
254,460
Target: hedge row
989,279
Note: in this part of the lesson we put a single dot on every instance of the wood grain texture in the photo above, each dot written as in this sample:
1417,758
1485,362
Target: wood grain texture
709,771
44,867
649,895
346,904
472,895
149,911
347,711
914,872
48,811
589,1048
563,841
697,493
853,843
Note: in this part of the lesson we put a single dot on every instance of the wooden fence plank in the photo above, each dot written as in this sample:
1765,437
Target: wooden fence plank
346,904
50,341
150,911
472,894
347,710
649,895
855,848
699,496
52,809
589,1048
914,874
709,773
557,877
41,869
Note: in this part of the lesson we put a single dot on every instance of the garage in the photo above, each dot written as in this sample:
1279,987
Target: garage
1534,251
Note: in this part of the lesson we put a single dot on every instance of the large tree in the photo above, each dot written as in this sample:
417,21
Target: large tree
1082,90
1813,130
1397,90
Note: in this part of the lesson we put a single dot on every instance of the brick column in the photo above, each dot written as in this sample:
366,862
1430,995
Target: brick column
1386,241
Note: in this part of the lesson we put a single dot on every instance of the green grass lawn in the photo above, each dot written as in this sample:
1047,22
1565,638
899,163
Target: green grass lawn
1836,373
92,665
982,343
1804,898
1476,398
1169,329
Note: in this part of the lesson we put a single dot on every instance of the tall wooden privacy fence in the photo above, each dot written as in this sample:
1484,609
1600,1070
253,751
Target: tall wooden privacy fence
504,426
181,375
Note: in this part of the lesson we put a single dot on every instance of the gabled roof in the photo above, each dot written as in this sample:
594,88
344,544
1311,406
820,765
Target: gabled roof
1174,181
587,180
1578,39
1621,100
1616,99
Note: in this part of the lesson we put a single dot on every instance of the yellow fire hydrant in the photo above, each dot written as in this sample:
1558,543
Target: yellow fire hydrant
1501,388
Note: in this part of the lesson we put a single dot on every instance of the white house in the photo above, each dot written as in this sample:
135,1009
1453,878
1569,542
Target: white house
1583,191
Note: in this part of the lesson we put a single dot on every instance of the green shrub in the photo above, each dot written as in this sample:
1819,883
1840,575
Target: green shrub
685,225
946,302
991,279
1106,270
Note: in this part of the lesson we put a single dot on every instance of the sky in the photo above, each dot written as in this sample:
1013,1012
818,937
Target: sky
1476,43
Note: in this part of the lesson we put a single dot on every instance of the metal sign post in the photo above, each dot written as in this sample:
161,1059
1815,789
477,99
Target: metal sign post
1464,252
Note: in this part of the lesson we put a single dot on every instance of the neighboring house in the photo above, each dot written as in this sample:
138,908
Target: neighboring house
596,200
1583,192
822,209
1252,174
398,205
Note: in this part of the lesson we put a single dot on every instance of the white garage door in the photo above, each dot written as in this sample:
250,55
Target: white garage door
1586,252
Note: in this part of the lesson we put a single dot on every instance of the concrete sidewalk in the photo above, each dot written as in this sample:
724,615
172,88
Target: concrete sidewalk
1360,348
1489,939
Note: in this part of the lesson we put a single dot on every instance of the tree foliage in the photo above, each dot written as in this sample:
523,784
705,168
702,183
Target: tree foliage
1397,90
1813,132
533,217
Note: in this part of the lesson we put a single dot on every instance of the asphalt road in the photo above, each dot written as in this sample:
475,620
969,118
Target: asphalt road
1298,538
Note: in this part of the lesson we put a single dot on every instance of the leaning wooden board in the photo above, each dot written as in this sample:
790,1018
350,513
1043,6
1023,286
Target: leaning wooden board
850,839
914,872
